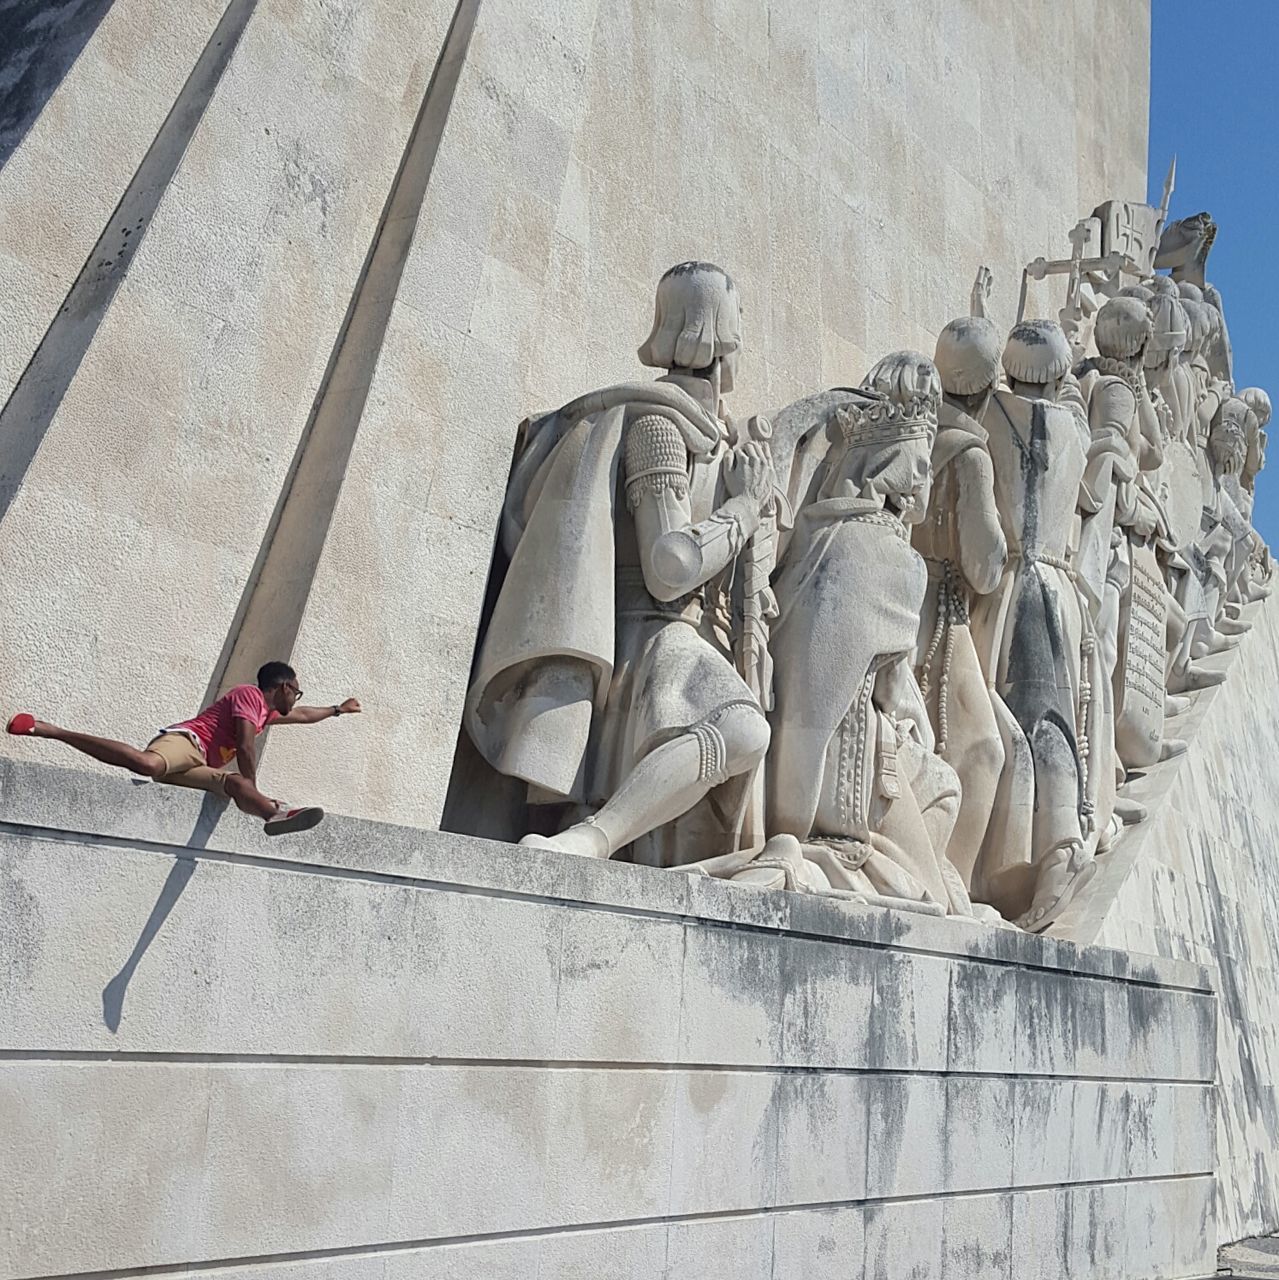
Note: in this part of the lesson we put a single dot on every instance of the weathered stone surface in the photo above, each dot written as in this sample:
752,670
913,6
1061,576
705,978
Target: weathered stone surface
1197,882
407,1037
206,364
61,183
821,155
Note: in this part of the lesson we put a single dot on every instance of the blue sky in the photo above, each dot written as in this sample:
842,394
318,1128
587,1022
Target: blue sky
1214,101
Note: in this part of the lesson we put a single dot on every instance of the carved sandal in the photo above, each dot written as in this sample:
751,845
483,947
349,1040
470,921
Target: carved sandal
1037,919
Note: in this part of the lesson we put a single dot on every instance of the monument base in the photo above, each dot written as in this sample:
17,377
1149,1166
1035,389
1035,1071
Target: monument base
374,1049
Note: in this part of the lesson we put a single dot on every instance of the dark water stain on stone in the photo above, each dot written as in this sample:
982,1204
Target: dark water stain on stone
22,922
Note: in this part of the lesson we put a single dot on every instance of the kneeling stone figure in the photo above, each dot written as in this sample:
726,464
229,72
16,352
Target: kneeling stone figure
858,802
606,678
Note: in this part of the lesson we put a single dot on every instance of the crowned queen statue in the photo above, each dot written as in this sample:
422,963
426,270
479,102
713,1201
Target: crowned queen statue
858,802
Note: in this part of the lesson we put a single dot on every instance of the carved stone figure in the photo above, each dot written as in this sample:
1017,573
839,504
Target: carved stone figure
1199,589
1126,449
1184,247
1250,585
962,543
1235,425
1209,390
1259,402
1033,633
958,611
1219,353
1183,250
606,679
1166,371
857,800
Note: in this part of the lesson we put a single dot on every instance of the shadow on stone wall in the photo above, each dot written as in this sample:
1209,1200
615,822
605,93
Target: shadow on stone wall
39,43
44,382
272,605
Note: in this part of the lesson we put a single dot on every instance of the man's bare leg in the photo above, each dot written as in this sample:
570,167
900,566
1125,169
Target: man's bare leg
107,750
248,799
242,792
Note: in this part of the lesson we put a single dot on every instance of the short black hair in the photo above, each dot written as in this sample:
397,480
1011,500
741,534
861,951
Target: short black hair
274,673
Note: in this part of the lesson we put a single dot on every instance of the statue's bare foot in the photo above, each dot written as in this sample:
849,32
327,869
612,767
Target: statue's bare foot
1062,874
584,840
1229,626
1169,748
1176,704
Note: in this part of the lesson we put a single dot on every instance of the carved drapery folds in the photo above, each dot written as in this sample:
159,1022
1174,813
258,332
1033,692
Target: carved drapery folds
900,643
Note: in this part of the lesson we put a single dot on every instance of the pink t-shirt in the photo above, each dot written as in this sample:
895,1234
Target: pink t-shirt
214,727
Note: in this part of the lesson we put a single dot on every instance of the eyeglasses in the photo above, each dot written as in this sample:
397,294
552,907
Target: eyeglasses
294,689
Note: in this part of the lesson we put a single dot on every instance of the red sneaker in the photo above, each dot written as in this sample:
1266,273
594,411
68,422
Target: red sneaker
23,723
294,820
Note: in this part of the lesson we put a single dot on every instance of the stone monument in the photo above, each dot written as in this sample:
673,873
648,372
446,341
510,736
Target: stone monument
805,841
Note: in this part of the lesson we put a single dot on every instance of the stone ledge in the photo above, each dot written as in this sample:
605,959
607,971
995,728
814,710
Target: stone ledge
101,807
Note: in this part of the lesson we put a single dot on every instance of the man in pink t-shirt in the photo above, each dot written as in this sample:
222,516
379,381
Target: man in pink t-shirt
196,752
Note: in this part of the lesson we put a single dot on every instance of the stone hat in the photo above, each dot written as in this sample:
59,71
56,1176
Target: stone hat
967,357
903,375
1123,327
905,392
1164,287
1037,352
1139,291
697,319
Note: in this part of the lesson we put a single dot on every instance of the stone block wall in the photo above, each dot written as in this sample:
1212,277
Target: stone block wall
200,224
1200,881
382,1052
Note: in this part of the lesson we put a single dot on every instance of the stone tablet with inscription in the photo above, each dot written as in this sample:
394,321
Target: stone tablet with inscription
1139,685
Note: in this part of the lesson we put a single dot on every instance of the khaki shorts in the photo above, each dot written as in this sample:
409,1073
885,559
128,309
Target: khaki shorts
185,765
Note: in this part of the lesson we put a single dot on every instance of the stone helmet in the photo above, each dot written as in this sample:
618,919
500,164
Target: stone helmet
1190,292
1037,352
1171,328
968,355
1123,328
697,320
1259,402
1163,287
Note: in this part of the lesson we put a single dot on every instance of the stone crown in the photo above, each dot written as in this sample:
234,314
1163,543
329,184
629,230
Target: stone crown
885,421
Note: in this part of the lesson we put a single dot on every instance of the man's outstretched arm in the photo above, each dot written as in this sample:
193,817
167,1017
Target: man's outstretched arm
313,715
